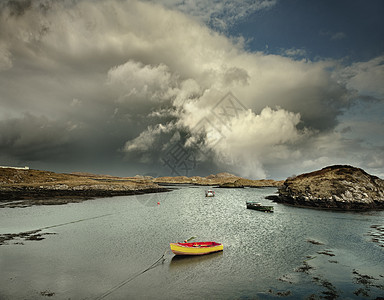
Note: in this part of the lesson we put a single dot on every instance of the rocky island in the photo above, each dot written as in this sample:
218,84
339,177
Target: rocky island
340,187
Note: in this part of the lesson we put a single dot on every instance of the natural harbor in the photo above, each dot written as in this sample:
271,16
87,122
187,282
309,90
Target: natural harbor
99,249
118,247
336,187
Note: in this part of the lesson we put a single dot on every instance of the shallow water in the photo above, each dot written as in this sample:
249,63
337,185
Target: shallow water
100,248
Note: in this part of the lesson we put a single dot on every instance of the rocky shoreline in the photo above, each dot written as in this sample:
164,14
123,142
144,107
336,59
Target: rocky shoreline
20,188
22,197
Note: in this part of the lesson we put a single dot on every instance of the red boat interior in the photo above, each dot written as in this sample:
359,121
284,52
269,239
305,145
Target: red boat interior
200,244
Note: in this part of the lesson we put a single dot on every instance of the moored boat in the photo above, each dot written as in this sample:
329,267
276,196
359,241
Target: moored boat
259,207
196,248
209,193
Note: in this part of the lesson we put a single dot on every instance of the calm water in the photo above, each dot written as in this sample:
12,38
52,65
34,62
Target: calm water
99,249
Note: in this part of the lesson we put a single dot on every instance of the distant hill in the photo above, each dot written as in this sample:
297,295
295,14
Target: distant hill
226,180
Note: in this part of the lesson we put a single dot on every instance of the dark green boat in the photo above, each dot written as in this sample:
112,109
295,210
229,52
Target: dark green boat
259,207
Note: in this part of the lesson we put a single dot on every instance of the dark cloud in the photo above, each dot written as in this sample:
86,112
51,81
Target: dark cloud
121,86
18,7
34,138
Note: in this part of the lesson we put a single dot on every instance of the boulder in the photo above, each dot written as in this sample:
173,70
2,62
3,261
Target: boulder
335,187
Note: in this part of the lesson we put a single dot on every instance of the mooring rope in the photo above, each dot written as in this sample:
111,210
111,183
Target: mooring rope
76,221
132,277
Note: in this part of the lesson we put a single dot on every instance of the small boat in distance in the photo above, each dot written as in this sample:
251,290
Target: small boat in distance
258,206
209,193
196,248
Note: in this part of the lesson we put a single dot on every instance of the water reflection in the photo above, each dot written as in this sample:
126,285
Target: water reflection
184,261
100,244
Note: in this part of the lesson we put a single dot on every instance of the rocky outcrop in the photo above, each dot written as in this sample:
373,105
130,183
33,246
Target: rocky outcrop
334,187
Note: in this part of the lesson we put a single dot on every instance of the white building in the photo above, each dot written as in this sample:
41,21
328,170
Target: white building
17,168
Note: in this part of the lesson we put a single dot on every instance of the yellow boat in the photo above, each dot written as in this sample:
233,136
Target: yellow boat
196,248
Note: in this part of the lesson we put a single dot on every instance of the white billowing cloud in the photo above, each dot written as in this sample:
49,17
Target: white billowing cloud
259,138
219,14
136,77
270,127
294,52
136,81
146,139
365,77
5,59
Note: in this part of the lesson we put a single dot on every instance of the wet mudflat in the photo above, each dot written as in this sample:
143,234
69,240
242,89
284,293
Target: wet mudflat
118,248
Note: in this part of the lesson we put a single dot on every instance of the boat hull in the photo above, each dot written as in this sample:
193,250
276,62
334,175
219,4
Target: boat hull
199,248
259,207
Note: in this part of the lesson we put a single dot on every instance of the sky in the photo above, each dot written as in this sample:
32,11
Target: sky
260,89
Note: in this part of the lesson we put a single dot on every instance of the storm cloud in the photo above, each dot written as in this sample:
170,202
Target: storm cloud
118,84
